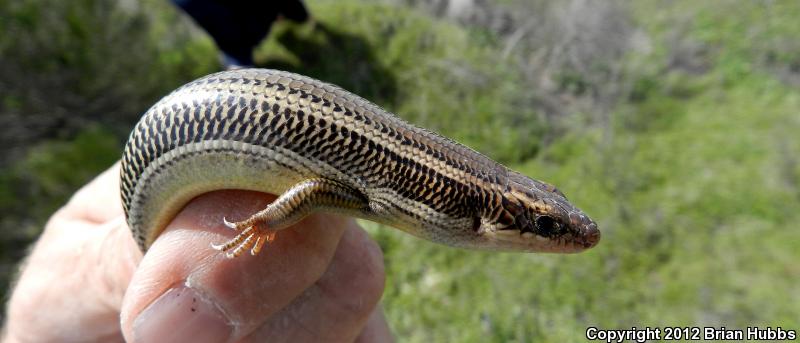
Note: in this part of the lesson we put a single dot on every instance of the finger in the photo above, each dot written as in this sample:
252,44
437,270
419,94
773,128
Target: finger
77,273
230,297
338,305
98,201
377,329
72,287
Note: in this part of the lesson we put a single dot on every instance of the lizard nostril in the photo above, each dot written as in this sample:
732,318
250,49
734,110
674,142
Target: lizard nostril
592,235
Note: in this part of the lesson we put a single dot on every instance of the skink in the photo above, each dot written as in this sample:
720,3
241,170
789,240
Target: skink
321,148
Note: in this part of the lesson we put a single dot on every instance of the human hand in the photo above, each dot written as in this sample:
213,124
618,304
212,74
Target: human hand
86,280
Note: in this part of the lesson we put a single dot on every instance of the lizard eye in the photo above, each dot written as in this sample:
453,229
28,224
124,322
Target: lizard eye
546,226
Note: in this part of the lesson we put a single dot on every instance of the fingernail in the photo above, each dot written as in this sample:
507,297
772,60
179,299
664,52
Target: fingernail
181,315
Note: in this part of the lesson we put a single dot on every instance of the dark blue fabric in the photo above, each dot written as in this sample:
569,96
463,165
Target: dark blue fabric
238,26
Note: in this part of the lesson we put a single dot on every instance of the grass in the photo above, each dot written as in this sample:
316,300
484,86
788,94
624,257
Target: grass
693,179
695,190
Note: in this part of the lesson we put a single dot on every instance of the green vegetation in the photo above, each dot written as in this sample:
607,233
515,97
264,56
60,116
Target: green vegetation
692,173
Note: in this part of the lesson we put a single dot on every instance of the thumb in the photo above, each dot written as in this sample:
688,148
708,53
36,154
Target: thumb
185,291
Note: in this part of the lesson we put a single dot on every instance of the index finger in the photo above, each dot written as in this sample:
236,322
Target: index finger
227,294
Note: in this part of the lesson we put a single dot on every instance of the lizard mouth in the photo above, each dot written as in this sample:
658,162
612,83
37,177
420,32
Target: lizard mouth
576,240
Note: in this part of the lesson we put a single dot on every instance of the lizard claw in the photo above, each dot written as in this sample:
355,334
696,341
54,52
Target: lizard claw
229,224
252,238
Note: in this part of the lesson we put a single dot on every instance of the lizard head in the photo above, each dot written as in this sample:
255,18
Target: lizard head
534,216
